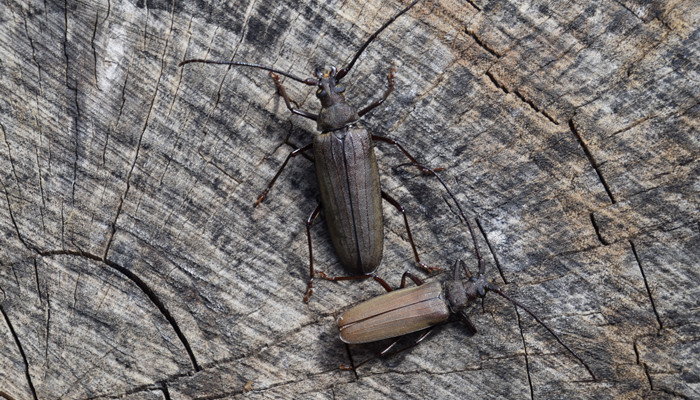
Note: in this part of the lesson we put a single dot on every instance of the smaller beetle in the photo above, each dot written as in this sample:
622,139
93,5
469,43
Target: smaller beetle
408,310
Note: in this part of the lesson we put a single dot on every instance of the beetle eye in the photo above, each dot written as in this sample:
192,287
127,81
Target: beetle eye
320,92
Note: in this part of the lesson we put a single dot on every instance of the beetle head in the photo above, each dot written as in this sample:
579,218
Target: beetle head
330,91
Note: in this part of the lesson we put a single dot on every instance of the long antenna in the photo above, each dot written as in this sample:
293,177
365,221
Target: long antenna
309,81
345,70
464,217
494,288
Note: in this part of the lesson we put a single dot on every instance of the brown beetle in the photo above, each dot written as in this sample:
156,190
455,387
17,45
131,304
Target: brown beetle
346,169
408,310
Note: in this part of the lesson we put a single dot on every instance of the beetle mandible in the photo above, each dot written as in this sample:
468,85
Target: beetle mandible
346,169
408,310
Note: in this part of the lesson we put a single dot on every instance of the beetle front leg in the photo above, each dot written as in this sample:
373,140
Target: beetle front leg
294,153
414,278
370,107
398,206
288,102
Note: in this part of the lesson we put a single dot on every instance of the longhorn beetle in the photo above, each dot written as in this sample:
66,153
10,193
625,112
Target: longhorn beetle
345,167
407,310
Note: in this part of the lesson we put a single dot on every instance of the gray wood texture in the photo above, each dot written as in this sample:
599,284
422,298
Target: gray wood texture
134,265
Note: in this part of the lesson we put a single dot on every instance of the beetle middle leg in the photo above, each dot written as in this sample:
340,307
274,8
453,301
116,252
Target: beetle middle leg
294,153
399,207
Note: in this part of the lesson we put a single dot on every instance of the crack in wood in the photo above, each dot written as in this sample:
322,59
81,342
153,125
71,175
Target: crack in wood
481,43
646,285
520,96
591,160
21,351
601,239
12,216
525,353
141,285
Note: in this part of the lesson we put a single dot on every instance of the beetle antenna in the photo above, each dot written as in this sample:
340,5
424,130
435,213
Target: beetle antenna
464,217
494,288
345,70
309,81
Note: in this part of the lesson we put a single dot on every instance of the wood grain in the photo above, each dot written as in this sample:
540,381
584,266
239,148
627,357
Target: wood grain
134,265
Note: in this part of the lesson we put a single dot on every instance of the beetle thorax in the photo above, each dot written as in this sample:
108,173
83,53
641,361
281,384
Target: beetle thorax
335,112
456,295
460,294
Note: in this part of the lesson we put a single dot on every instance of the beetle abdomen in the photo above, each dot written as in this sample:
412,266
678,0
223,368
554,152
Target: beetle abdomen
351,196
393,314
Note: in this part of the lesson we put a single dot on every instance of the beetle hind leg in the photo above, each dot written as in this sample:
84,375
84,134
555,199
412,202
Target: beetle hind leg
400,208
387,351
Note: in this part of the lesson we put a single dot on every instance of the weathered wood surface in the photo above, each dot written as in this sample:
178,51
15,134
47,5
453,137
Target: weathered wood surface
133,263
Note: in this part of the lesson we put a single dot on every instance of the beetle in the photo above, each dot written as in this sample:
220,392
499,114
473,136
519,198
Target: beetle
407,310
346,169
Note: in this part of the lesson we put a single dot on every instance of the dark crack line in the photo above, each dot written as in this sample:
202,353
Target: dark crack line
646,285
74,88
36,62
522,98
226,394
36,277
597,231
144,288
9,157
21,351
41,184
92,45
48,332
527,360
646,373
164,389
149,387
12,216
352,361
473,4
481,42
591,160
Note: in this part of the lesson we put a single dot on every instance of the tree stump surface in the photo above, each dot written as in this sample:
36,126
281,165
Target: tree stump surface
134,264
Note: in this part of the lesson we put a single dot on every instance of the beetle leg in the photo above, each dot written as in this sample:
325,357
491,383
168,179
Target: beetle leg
408,230
295,153
370,107
413,160
309,222
379,280
414,278
288,102
387,350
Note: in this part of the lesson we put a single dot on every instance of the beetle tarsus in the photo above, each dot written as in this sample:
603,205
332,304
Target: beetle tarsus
262,197
429,269
309,291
